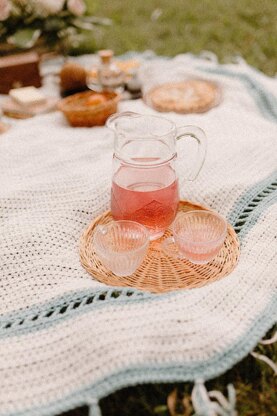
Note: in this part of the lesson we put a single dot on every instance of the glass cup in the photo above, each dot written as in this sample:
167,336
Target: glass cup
121,246
197,236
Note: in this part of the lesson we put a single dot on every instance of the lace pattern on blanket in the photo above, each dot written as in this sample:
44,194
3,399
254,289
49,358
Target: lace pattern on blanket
38,319
68,307
244,215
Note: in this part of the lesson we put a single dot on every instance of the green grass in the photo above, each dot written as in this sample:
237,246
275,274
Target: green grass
226,27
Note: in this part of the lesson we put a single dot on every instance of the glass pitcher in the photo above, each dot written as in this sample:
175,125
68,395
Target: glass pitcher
145,183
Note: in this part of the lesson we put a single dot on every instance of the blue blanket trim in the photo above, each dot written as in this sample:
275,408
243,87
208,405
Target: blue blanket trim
263,188
47,314
178,372
265,101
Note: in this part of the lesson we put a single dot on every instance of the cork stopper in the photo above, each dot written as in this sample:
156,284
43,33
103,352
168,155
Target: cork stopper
105,55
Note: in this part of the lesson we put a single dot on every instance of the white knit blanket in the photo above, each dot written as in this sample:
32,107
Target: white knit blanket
66,339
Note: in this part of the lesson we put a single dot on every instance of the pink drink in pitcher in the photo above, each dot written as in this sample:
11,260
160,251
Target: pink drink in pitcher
149,197
144,183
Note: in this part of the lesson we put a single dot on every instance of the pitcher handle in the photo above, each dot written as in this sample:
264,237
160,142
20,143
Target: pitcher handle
111,120
199,135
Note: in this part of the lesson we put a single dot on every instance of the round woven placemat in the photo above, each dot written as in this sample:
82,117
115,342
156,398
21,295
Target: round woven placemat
160,273
190,96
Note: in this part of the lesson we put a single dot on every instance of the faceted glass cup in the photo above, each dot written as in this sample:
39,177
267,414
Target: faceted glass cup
198,235
121,246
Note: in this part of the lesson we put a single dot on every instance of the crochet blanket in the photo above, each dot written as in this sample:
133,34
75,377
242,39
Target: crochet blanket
66,339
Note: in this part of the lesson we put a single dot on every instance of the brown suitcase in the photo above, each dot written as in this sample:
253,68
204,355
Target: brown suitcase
20,70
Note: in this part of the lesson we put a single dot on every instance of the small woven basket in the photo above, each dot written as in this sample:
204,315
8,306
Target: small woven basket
79,114
160,273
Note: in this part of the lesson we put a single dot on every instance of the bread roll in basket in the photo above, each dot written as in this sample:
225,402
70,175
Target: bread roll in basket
89,108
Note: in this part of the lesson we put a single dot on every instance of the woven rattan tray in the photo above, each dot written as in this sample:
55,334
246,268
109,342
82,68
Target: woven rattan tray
160,273
190,96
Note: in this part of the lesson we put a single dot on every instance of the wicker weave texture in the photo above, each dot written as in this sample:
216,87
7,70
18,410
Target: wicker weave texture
190,96
79,114
160,273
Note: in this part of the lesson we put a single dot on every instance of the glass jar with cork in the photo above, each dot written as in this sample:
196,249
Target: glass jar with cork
109,76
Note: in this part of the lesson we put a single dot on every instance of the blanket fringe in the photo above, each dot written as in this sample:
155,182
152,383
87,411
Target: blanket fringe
94,408
204,406
266,360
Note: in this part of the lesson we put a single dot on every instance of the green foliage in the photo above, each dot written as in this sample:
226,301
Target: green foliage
58,27
24,38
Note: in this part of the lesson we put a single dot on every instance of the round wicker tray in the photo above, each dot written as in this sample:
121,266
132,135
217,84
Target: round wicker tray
190,96
160,273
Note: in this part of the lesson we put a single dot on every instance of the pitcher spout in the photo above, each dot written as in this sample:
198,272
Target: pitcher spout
112,120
